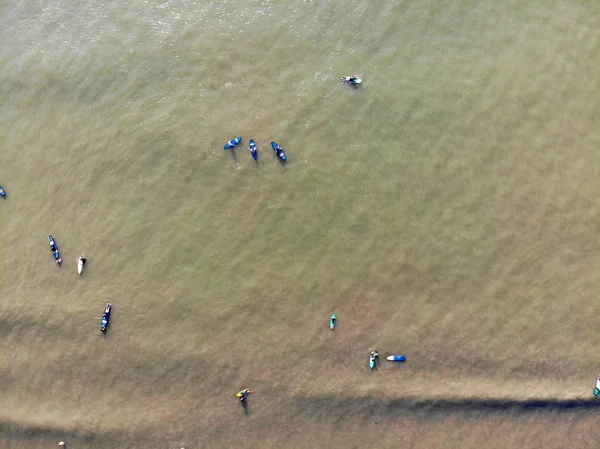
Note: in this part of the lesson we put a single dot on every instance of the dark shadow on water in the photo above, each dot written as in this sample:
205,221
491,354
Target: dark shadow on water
351,85
23,433
37,432
244,404
281,161
232,151
369,406
489,405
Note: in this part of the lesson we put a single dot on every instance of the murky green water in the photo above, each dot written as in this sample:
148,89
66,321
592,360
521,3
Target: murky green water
465,169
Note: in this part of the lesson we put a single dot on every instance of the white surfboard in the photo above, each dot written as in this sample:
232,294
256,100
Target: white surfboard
79,265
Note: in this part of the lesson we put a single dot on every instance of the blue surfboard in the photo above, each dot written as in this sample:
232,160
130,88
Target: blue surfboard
396,358
2,192
371,362
54,250
279,151
253,149
105,317
332,322
232,143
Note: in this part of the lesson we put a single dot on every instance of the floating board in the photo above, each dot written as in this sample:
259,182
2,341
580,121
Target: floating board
232,143
279,151
371,362
55,252
105,317
396,358
332,322
2,192
351,79
79,265
253,149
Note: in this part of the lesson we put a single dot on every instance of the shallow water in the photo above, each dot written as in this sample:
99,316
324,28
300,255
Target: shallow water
457,187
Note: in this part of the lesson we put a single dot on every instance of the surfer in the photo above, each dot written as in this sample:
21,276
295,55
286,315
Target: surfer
372,360
374,356
105,317
352,80
80,264
242,394
54,249
597,389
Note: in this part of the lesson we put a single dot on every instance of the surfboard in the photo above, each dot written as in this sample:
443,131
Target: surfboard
232,143
396,358
279,151
332,322
353,80
253,149
79,265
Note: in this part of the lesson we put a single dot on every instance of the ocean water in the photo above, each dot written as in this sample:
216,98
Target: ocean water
449,203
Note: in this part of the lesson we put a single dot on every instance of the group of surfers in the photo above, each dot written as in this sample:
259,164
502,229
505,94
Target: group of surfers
373,356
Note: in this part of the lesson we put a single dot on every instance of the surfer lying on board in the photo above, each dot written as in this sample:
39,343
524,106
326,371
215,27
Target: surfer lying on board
597,389
55,253
242,394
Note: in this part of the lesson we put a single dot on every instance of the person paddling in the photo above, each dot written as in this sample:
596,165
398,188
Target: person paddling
54,249
242,394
